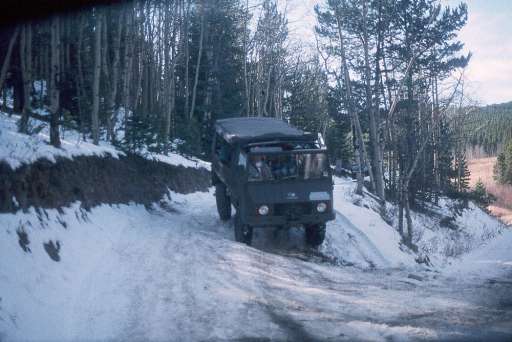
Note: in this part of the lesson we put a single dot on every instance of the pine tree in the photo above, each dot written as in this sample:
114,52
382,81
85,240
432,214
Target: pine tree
480,193
480,188
500,168
445,150
462,172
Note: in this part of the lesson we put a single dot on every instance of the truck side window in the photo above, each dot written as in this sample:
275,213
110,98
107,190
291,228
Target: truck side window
223,150
218,141
242,160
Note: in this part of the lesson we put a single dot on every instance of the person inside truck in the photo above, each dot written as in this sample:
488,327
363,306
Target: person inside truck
259,168
284,166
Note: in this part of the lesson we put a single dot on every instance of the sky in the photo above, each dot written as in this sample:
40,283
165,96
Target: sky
487,35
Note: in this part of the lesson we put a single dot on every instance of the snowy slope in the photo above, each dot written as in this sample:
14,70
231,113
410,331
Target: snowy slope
464,230
177,159
369,241
366,239
17,149
491,260
441,232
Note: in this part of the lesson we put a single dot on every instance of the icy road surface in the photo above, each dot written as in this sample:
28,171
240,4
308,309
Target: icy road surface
174,273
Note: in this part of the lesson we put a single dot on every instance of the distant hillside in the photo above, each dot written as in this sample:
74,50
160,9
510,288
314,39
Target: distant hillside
489,128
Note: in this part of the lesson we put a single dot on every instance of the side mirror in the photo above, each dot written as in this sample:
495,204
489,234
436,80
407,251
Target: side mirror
242,162
223,158
224,155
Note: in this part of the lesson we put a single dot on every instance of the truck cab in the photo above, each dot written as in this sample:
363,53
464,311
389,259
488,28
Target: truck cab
273,174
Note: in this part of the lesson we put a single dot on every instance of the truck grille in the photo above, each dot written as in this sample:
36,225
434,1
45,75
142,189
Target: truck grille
292,210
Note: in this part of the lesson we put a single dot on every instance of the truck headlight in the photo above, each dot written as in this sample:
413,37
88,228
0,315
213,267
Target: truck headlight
263,210
321,207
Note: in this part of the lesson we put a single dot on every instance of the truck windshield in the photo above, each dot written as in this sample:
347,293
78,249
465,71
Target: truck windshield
263,167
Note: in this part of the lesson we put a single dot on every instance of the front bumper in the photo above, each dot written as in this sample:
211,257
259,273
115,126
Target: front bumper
274,220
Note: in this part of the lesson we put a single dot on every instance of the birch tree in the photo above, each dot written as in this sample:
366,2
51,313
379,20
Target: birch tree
96,78
54,88
26,74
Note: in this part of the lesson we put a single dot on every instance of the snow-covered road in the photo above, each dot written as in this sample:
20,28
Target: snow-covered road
174,273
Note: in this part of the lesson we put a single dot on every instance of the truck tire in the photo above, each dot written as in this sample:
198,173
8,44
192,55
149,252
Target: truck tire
243,232
315,234
223,202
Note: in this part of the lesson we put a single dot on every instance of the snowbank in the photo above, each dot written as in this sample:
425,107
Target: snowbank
17,149
452,230
176,159
492,259
359,236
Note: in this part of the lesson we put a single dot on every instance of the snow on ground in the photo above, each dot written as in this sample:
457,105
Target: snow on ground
452,230
176,159
441,232
173,272
17,149
491,260
367,240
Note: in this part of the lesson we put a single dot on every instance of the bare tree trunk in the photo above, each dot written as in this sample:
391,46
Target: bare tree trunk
400,209
144,85
168,46
47,63
80,77
246,81
408,218
187,58
105,75
267,91
257,86
55,81
170,59
138,58
360,149
128,63
26,74
96,79
377,154
67,52
436,134
7,59
198,63
376,160
111,115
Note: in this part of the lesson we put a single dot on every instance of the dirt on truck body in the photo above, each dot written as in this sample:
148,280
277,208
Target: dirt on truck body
275,175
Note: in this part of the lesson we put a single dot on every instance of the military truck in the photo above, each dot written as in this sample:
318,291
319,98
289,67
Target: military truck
274,175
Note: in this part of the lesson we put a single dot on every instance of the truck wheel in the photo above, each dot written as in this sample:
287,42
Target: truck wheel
315,234
223,202
243,232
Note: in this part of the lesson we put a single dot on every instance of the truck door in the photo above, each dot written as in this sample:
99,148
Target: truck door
239,173
223,157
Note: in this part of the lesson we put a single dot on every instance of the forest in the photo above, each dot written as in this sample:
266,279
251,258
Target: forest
503,166
490,127
384,83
